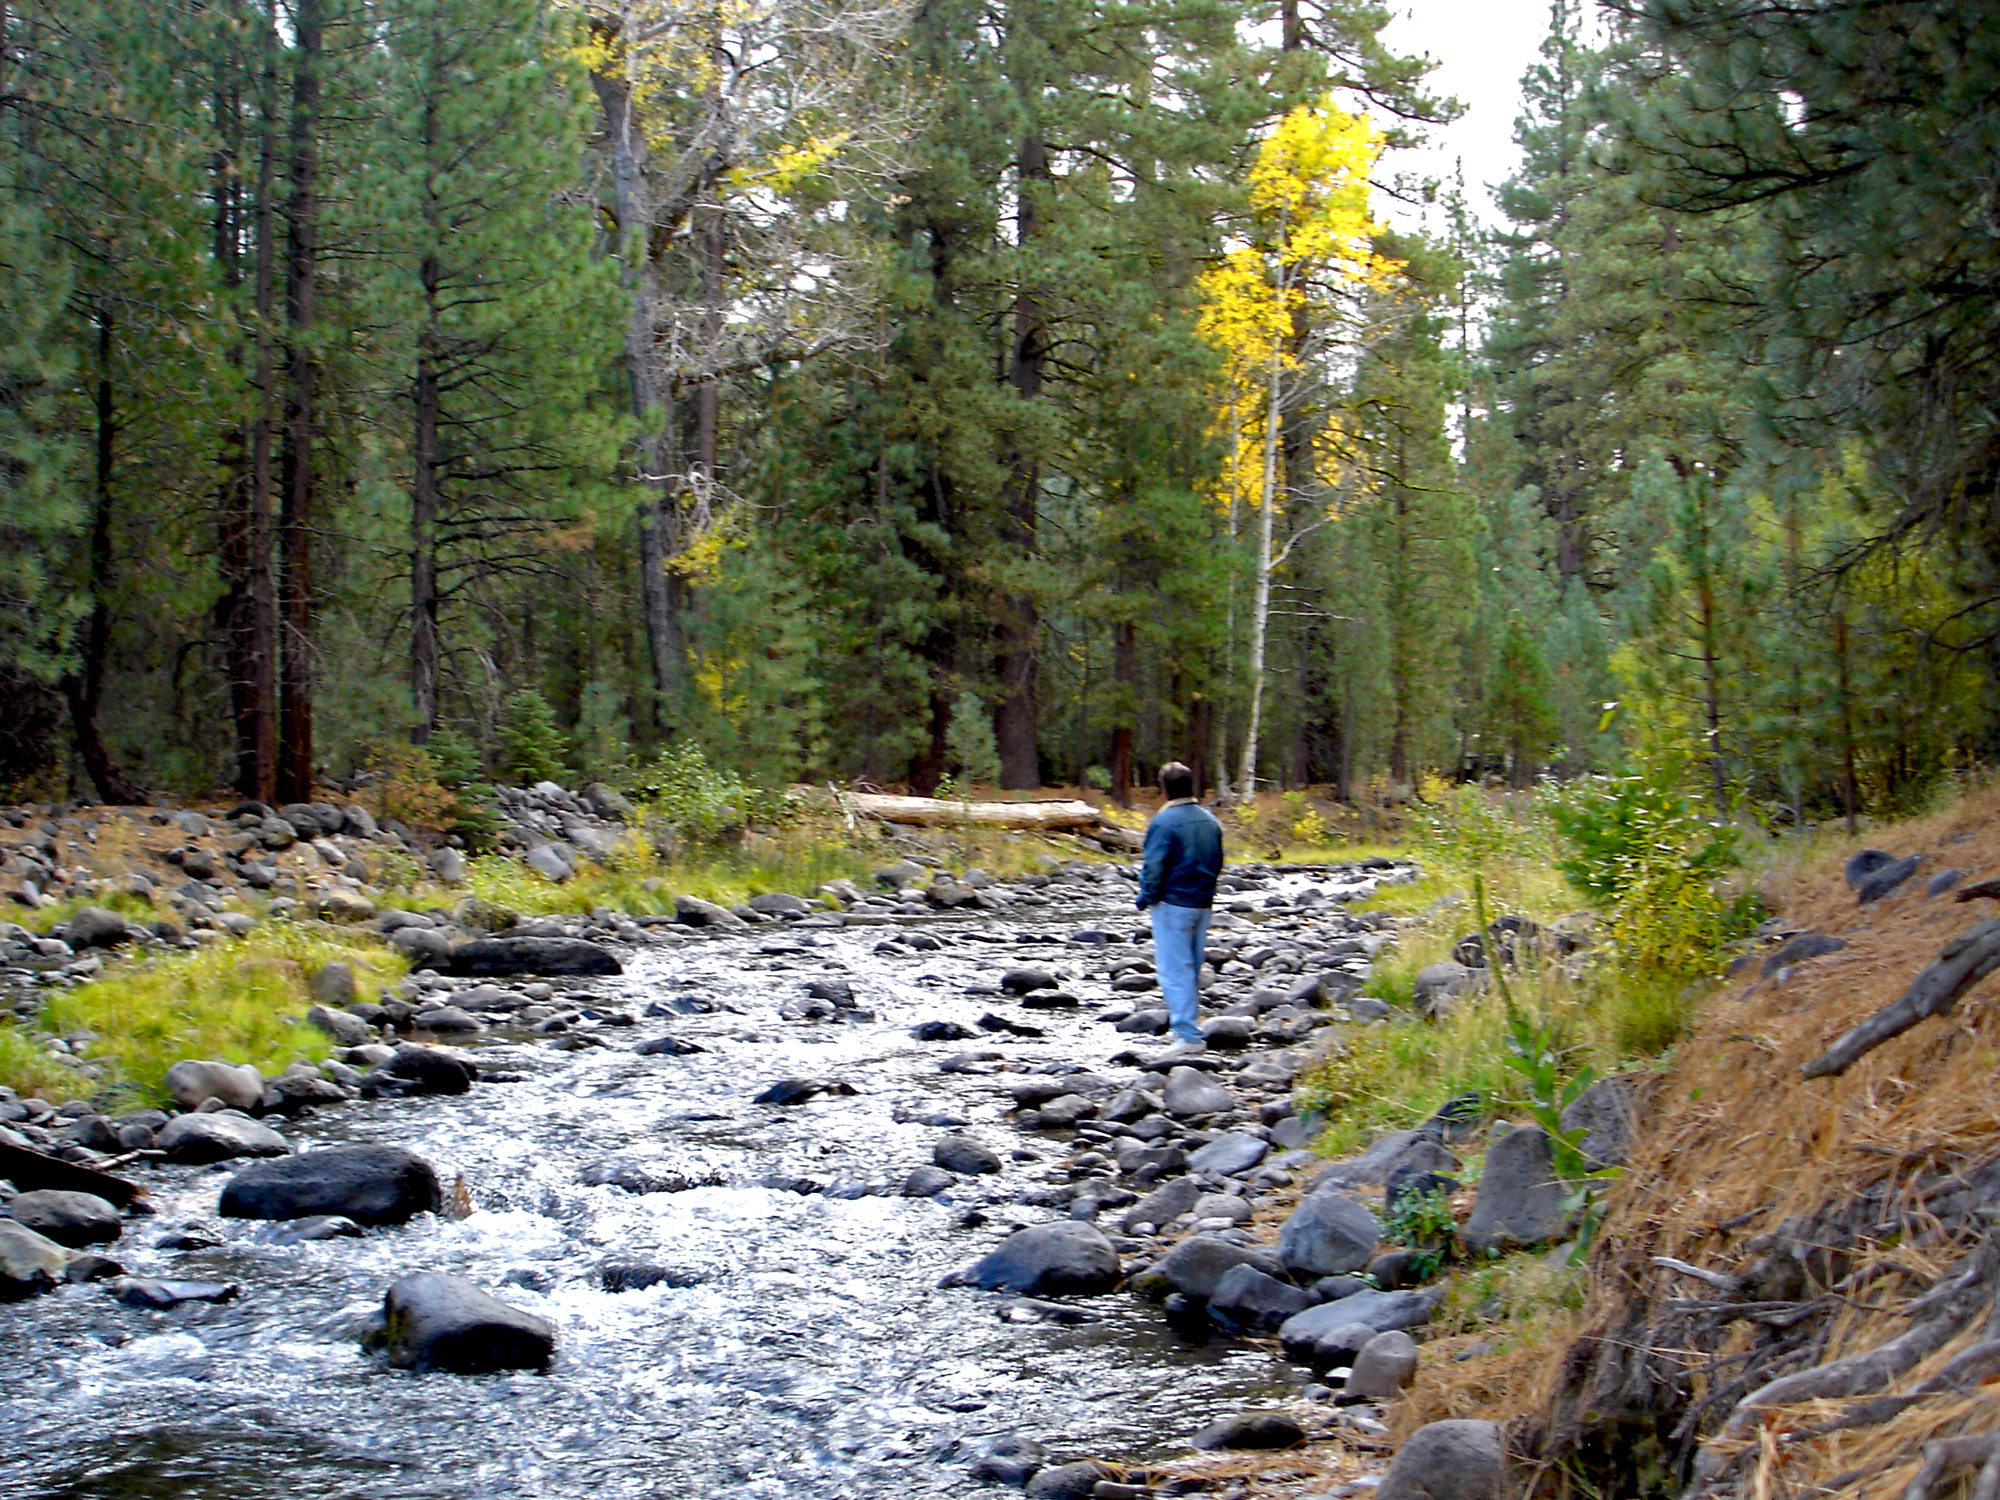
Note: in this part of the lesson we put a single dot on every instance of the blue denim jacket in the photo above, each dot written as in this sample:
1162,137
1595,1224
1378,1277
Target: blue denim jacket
1183,857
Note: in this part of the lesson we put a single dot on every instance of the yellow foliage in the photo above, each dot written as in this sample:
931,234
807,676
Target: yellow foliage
1310,195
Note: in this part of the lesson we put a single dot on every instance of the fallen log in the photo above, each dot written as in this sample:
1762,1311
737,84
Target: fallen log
937,812
1966,960
31,1170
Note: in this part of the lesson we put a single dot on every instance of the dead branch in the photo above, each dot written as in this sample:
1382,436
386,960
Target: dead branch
1714,1278
1947,1456
1955,1302
1966,960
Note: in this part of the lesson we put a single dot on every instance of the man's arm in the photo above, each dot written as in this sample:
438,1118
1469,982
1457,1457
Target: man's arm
1153,869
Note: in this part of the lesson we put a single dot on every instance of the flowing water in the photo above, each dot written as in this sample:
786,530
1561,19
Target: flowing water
808,1352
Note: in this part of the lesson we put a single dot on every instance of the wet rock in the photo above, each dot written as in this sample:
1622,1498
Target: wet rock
1010,1458
445,1020
941,1031
1455,1460
799,1090
1050,1000
486,957
1249,1298
134,1291
1066,1257
73,1220
927,1182
1069,1481
1251,1429
422,1070
1520,1202
90,1267
965,1156
371,1185
1334,1332
30,1264
633,1177
1226,1155
636,1276
668,1046
309,1231
1143,1023
1025,981
193,1083
1383,1367
1196,1266
1189,1093
431,1321
834,991
221,1136
692,911
1328,1234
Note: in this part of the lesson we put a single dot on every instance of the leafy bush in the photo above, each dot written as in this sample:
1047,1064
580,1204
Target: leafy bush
702,803
402,784
1640,845
969,740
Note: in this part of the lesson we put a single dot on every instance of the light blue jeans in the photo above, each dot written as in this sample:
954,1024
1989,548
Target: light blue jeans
1180,935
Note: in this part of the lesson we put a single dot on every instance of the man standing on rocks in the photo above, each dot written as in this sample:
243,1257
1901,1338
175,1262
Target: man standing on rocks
1183,858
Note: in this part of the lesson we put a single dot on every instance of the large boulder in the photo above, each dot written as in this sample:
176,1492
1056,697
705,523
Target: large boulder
369,1184
692,911
1163,1205
1384,1367
422,1070
1045,1260
1328,1234
1394,1151
1246,1297
1608,1115
344,1027
193,1083
1455,1460
431,1321
1520,1202
1334,1332
30,1264
1237,1151
74,1220
94,927
196,1140
484,957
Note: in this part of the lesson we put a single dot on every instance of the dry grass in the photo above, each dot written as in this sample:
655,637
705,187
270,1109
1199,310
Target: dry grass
1740,1140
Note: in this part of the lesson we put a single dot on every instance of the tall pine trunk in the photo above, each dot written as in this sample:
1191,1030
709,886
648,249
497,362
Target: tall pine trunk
1016,722
298,479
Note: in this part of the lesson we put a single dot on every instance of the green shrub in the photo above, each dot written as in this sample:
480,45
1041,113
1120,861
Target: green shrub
969,740
703,804
532,747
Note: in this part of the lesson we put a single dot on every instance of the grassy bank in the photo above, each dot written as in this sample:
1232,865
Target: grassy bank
242,1000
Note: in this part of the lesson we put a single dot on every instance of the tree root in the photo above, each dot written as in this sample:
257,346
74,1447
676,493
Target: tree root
1943,1312
1945,1457
1966,959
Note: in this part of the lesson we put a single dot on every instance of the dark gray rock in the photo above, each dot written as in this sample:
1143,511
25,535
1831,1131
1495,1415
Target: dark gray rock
1520,1202
30,1264
193,1083
668,1046
222,1136
941,1031
1228,1154
1887,880
1800,947
369,1184
1045,1260
1325,1335
1455,1460
1608,1115
798,1090
1228,1033
1190,1093
1367,1008
431,1321
1025,981
1863,863
1440,983
1251,1429
313,1230
1248,1298
551,861
485,957
94,927
422,1070
692,911
1077,1481
965,1156
1383,1367
348,1030
927,1182
1328,1234
1010,1458
1197,1265
73,1220
134,1291
1163,1205
1399,1149
1943,881
780,904
427,948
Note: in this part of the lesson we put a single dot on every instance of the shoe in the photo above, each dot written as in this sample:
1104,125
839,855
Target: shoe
1184,1049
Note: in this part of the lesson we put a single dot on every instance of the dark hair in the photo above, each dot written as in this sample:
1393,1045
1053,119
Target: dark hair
1176,780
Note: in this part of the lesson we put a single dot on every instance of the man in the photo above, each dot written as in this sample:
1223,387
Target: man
1183,858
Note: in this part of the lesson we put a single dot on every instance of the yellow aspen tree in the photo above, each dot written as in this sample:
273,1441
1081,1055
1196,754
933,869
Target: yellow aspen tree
1274,308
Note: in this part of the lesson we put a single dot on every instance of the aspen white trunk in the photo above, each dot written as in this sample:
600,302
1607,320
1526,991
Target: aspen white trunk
1260,608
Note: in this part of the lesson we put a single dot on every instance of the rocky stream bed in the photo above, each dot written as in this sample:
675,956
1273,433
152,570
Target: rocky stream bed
881,1201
